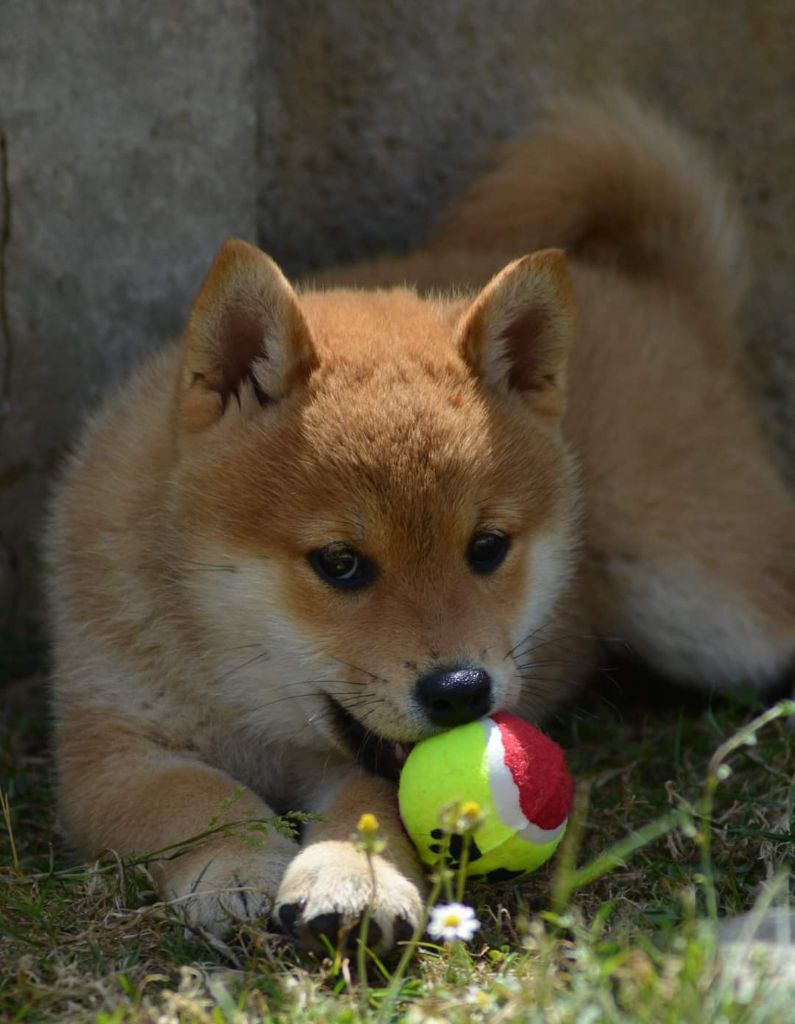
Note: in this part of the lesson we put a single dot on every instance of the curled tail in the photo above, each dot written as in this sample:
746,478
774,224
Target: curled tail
612,182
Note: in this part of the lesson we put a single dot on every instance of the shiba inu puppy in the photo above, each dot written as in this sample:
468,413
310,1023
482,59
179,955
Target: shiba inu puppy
334,520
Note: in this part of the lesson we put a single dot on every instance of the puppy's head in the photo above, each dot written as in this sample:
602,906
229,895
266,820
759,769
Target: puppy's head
378,489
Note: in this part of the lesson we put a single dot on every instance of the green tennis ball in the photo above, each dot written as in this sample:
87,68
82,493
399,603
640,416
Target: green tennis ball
517,775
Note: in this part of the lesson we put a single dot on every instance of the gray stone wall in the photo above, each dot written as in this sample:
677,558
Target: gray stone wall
135,137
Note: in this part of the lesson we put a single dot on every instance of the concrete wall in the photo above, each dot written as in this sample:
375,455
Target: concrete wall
136,137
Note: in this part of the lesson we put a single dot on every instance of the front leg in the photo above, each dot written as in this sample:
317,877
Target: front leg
120,791
328,885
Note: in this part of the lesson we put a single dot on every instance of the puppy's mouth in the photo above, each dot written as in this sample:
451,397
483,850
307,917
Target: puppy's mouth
375,753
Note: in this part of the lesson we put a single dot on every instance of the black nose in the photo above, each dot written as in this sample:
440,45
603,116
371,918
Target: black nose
455,696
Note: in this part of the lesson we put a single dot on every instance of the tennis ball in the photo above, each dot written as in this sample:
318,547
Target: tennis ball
515,773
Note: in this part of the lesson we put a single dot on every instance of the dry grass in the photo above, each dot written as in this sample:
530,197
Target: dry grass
90,942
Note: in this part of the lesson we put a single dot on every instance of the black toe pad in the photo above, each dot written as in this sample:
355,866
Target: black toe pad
288,915
325,926
403,930
374,935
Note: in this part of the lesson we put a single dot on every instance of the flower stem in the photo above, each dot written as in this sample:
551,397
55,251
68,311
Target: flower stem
361,945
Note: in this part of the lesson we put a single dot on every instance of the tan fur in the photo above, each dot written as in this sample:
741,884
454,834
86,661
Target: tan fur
197,653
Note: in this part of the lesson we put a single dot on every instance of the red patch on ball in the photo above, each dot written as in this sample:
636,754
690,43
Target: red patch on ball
538,767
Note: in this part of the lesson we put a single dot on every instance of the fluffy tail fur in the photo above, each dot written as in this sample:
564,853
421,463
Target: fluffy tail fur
610,181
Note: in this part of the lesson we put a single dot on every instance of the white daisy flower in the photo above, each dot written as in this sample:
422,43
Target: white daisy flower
453,921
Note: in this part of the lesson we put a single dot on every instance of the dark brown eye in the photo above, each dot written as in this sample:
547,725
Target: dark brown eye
342,567
487,551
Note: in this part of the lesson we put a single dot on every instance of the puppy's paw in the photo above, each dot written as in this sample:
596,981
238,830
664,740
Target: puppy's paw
215,888
326,889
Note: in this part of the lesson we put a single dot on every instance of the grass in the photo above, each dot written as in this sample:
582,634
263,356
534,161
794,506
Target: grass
628,939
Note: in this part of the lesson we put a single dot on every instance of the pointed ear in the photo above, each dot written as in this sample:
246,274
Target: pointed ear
517,333
245,328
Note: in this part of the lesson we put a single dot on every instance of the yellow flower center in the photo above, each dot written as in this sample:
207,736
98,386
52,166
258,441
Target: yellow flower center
368,824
